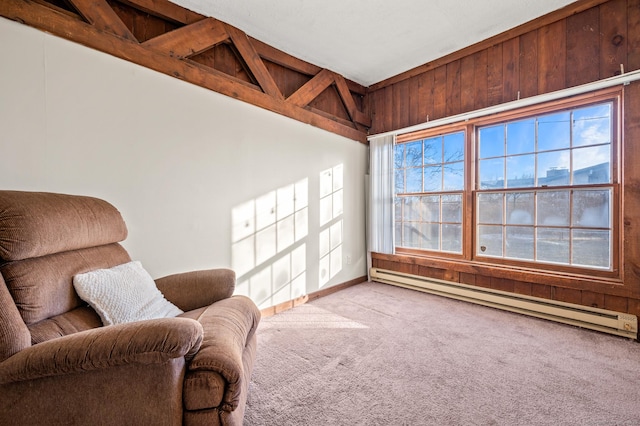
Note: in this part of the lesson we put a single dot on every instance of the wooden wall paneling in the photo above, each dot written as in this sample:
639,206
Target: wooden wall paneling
377,109
330,104
529,64
540,290
616,303
467,87
439,93
99,14
401,104
483,281
425,90
631,187
227,60
583,57
467,278
502,284
387,123
414,101
495,82
190,39
568,295
590,298
634,307
143,25
613,42
522,287
511,69
480,79
288,80
633,34
552,57
453,88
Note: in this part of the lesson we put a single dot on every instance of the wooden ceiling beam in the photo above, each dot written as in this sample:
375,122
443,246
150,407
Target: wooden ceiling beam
349,103
102,16
254,62
100,36
190,39
311,89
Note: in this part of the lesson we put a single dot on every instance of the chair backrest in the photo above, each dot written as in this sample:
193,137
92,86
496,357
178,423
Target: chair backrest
46,239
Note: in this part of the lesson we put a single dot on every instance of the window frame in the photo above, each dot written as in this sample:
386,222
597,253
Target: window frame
426,134
470,233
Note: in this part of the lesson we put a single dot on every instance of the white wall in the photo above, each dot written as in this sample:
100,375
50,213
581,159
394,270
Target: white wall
194,173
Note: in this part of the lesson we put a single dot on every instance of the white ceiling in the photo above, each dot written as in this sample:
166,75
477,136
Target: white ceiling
368,41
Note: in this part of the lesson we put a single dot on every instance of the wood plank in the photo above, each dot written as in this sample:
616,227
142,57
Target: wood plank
521,287
613,42
453,88
633,36
376,99
541,290
425,95
281,58
190,39
439,92
387,123
102,17
631,173
529,64
583,46
511,70
62,25
590,298
480,79
467,87
165,10
567,295
552,57
401,104
312,89
616,303
494,75
532,25
144,25
414,100
253,61
344,92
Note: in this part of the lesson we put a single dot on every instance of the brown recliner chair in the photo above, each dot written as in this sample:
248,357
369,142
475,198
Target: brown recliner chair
60,365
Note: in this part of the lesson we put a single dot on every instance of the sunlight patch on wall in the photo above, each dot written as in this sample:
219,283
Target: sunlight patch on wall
267,253
331,234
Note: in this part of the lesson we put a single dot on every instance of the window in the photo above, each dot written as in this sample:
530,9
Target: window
536,187
429,181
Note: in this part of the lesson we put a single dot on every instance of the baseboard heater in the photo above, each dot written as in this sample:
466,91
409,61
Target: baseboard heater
612,322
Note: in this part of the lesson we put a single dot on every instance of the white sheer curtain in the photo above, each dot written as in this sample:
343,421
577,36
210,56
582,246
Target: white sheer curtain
380,222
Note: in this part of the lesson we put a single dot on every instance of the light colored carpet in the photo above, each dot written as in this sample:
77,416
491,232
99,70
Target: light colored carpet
375,354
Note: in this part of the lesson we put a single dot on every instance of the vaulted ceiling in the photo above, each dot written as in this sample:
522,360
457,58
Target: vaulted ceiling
368,41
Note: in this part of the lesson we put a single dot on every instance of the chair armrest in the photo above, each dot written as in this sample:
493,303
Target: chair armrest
144,342
228,327
196,289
